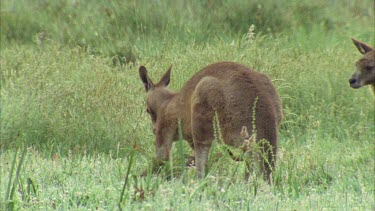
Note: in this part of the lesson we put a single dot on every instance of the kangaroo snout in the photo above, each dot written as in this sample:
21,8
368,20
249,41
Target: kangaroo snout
354,83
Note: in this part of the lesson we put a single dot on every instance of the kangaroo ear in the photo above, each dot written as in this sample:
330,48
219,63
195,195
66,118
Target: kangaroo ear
145,79
164,81
362,47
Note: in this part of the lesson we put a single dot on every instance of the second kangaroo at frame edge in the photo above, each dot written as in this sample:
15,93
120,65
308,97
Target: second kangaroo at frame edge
227,89
365,73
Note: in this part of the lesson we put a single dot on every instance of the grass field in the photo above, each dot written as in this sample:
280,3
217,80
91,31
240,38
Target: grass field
74,127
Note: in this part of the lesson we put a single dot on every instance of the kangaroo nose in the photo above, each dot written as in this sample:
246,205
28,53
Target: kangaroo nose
352,80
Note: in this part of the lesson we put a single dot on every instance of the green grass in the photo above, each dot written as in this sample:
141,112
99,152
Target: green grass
71,94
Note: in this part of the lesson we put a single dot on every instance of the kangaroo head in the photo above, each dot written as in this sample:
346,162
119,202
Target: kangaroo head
157,94
365,73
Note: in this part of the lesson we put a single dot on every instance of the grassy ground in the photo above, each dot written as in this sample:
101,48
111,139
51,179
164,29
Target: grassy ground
72,99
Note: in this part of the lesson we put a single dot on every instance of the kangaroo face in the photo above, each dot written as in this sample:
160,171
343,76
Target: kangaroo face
365,73
155,103
157,97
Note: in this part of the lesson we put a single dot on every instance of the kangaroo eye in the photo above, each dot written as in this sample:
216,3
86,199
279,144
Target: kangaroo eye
152,113
369,68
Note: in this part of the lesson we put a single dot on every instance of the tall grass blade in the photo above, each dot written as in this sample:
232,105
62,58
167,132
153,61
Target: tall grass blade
8,205
18,170
127,176
11,176
30,187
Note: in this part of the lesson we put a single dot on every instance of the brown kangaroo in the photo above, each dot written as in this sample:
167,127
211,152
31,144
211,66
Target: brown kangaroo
227,89
365,73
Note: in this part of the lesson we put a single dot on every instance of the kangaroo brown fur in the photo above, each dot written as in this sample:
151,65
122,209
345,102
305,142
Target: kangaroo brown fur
227,89
365,73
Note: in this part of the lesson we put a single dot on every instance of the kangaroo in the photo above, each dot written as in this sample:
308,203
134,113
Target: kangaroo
365,73
226,89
